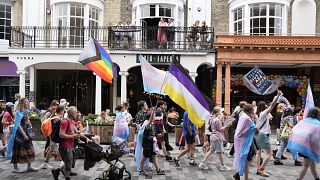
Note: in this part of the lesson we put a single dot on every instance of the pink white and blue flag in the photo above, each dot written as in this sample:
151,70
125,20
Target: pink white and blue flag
309,102
304,139
153,78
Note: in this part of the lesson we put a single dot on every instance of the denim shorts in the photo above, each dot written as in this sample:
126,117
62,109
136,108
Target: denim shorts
263,141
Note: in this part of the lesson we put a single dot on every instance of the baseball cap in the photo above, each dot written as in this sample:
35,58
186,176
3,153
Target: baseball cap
9,104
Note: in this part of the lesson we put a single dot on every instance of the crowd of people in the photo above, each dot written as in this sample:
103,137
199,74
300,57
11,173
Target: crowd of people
246,132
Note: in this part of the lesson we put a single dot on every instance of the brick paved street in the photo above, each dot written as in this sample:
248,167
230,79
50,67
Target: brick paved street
285,172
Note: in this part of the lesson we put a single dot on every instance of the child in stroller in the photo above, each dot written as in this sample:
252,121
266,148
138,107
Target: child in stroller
116,171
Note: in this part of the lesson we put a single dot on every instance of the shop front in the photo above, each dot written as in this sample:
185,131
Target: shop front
288,60
9,80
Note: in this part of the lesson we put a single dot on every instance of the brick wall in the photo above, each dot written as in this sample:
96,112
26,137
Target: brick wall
17,13
220,16
112,13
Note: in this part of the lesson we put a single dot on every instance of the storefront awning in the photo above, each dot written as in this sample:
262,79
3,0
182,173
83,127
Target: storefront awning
7,68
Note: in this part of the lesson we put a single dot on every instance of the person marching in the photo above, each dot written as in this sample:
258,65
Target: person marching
189,132
216,139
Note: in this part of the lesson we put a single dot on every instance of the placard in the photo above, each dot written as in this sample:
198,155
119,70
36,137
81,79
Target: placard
258,80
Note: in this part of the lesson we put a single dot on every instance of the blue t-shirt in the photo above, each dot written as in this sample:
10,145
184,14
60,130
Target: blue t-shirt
186,122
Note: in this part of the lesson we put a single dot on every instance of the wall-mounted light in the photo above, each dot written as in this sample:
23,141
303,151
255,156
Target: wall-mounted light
199,9
48,11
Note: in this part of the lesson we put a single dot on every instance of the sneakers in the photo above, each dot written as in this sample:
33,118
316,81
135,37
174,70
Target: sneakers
176,161
283,158
225,168
168,158
277,162
192,163
262,173
203,165
17,170
236,176
297,163
45,165
278,143
274,153
55,173
228,146
32,169
142,173
160,172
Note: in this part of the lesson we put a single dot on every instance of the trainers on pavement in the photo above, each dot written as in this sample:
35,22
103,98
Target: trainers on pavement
277,162
262,173
192,163
203,165
45,166
168,158
297,163
55,173
17,170
32,169
161,172
142,173
176,161
225,168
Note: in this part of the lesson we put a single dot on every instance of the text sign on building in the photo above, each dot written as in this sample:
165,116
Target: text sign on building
258,79
159,58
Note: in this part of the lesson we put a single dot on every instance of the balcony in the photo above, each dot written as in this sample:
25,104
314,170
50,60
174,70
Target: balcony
131,38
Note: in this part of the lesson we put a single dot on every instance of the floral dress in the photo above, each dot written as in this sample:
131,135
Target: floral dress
23,153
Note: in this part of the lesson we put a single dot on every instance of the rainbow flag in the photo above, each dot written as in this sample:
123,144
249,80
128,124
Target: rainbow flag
304,139
243,139
309,102
95,58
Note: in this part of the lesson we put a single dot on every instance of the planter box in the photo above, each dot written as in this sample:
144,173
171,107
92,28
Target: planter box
36,127
104,131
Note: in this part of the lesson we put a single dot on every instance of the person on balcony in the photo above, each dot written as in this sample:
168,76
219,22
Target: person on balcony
129,32
204,35
119,34
193,36
162,32
171,31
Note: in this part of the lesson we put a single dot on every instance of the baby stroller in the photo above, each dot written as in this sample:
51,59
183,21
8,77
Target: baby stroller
117,169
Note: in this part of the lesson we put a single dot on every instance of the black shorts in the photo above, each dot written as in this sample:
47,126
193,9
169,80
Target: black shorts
148,153
190,139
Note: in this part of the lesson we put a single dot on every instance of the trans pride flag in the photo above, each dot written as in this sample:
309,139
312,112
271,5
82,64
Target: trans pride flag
243,140
152,77
309,102
304,139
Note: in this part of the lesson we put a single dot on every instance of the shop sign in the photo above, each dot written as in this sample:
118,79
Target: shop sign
258,80
159,58
25,58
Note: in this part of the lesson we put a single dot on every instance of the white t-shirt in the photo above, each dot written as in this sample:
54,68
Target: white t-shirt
265,116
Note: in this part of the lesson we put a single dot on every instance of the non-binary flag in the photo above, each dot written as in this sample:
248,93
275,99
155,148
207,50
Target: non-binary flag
179,86
309,102
152,77
95,58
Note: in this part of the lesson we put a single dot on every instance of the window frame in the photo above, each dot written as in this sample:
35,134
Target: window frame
5,31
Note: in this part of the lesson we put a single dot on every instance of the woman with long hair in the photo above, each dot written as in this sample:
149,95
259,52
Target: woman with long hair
20,147
262,138
7,122
162,32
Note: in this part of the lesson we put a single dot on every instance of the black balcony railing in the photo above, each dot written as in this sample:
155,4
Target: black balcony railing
114,37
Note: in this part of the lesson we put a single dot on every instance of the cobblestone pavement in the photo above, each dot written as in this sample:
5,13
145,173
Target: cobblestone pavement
285,172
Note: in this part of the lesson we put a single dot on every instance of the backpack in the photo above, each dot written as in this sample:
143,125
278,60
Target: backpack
55,137
46,126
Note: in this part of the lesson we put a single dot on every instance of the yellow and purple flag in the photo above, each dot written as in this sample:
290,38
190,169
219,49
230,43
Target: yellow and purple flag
181,89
